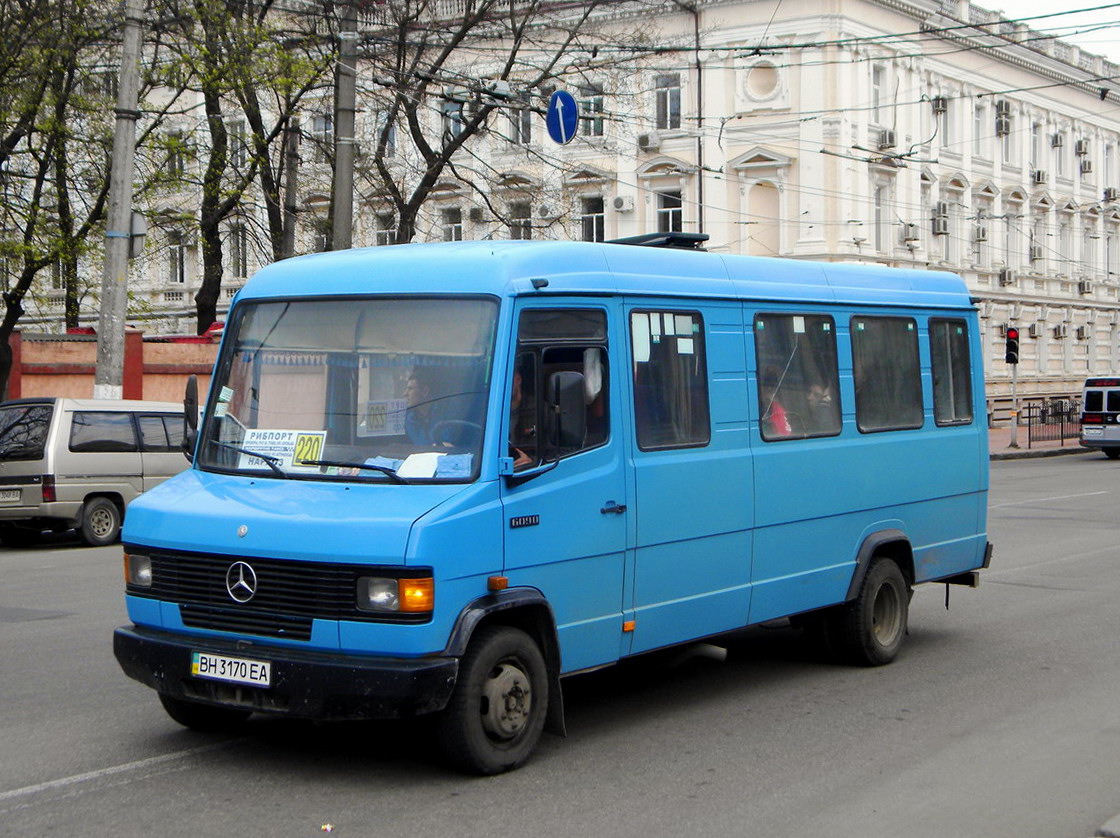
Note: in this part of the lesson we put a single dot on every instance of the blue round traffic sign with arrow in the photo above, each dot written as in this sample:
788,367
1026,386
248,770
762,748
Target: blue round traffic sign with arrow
562,118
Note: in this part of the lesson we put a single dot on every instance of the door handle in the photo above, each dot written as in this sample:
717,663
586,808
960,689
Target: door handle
612,507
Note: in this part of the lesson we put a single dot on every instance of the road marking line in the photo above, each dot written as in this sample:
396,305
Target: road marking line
1043,500
108,772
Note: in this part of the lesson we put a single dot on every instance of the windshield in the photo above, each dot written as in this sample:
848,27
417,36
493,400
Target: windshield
373,389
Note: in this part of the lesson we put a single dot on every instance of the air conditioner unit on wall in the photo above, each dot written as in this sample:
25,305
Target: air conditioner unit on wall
887,139
1038,176
1081,147
1006,276
910,233
1111,193
623,203
1057,139
649,142
980,233
1061,331
1003,107
1034,253
1003,125
1032,331
940,225
940,104
1084,287
1086,167
1082,332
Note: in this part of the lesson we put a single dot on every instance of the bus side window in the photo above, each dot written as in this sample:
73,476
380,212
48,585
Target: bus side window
670,379
952,376
887,373
798,378
558,345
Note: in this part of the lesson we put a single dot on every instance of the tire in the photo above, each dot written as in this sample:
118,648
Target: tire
19,537
869,631
203,718
101,522
1112,453
497,710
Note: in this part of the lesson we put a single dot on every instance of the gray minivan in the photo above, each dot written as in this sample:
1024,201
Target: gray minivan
77,463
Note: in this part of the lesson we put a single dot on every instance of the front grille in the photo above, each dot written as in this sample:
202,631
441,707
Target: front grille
290,594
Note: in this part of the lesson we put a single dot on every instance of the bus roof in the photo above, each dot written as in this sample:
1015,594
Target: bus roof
512,268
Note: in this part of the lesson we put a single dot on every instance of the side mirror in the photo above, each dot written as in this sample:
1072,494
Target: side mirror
567,411
190,418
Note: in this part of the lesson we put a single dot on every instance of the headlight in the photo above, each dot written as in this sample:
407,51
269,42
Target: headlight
138,570
391,595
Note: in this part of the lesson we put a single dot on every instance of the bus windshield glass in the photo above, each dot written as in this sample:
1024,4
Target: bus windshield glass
366,389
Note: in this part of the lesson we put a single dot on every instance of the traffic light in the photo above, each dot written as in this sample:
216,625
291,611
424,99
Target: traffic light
1011,352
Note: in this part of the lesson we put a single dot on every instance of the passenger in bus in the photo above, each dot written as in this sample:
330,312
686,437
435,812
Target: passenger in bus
420,416
822,408
775,422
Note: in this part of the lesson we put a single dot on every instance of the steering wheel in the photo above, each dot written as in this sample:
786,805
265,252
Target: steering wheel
464,434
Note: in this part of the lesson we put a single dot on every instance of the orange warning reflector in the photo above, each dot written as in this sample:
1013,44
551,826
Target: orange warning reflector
497,583
628,625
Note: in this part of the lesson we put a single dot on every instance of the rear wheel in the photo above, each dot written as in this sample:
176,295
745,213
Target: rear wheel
869,630
101,522
1112,453
497,710
203,717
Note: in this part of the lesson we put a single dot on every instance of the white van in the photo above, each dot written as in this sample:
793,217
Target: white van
77,463
1100,415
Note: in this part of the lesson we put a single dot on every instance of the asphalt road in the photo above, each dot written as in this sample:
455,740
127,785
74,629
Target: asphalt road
1001,718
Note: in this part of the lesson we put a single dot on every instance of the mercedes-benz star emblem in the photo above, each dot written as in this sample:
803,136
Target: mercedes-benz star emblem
241,582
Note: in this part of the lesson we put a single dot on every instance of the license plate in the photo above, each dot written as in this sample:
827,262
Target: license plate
231,670
1088,432
9,495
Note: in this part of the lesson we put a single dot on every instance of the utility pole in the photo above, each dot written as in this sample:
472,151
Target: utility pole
345,105
109,376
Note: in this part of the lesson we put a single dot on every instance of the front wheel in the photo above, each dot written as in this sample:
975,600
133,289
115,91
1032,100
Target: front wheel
497,710
203,717
101,522
869,630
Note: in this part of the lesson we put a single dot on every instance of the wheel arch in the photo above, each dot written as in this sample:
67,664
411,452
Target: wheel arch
525,609
891,543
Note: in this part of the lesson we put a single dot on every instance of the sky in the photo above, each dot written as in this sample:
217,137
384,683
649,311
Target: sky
1096,31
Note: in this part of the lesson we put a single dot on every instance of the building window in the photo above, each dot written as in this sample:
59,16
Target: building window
1059,143
670,379
452,221
176,258
979,131
878,92
667,93
887,373
520,220
176,154
881,220
1107,164
591,110
385,130
593,219
945,122
320,235
238,152
386,232
1036,145
451,113
239,250
520,121
322,135
670,217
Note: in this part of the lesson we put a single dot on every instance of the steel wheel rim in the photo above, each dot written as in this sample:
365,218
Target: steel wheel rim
101,522
507,701
886,616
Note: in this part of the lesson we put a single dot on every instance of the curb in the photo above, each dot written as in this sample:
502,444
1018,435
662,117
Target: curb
1012,454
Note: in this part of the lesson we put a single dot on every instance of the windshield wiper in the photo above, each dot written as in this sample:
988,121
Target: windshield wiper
368,466
270,461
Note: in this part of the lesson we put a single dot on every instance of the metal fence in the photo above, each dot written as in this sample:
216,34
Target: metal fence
1053,419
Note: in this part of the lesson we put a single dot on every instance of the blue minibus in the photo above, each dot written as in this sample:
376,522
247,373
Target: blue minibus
439,478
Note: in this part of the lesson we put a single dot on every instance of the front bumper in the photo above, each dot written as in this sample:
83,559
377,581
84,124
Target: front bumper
312,685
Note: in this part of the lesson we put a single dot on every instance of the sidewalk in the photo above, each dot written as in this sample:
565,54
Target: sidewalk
999,438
